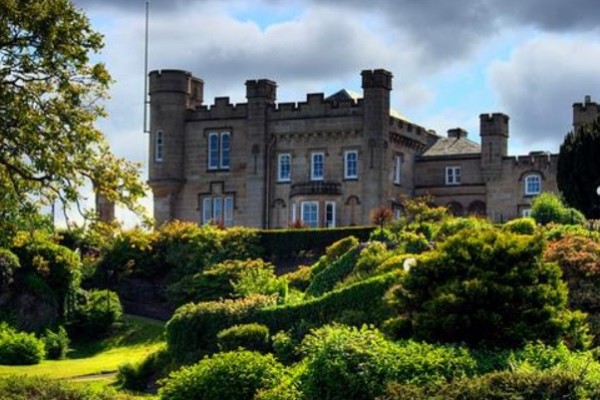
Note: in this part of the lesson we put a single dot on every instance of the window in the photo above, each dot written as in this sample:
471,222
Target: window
526,212
398,169
217,209
317,166
533,185
330,214
452,175
351,164
219,147
284,171
158,147
310,214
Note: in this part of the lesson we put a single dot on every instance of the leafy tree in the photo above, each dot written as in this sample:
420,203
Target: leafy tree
578,173
547,207
50,97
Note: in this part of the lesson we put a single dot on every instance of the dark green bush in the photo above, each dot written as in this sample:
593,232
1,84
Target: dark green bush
453,293
254,337
284,347
547,208
56,343
193,328
235,375
300,278
333,273
288,243
9,262
19,348
95,317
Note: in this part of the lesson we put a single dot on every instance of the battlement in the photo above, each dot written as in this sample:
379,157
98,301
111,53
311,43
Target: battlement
495,124
177,81
539,160
379,78
317,106
221,109
261,89
586,112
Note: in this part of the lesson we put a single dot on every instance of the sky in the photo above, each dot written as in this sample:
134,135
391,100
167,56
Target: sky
451,60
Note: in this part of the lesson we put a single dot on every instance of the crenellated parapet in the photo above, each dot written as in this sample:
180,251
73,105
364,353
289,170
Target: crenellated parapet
585,113
316,106
539,160
221,109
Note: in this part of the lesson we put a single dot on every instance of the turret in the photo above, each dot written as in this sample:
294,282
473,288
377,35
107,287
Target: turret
172,93
585,113
377,85
493,129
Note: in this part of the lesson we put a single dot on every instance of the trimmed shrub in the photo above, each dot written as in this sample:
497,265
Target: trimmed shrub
284,347
451,226
547,207
350,363
19,348
42,388
300,278
253,337
452,294
193,328
523,226
328,277
56,343
139,376
235,375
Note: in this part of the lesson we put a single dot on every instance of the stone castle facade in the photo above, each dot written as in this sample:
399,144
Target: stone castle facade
325,162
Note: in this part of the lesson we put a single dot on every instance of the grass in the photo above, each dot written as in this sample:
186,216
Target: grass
134,340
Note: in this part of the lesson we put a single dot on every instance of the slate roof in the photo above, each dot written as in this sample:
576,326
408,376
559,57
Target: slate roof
445,146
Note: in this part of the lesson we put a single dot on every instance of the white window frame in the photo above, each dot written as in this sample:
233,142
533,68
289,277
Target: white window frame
313,170
304,206
330,223
206,210
280,170
228,211
350,166
218,208
159,142
219,150
294,213
526,212
398,169
527,188
452,175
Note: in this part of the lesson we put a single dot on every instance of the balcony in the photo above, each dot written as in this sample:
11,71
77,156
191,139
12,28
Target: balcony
316,188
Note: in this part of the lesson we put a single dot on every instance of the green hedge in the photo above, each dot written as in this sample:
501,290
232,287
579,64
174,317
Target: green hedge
193,329
288,243
332,274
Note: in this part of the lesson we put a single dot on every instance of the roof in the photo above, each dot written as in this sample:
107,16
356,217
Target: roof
445,146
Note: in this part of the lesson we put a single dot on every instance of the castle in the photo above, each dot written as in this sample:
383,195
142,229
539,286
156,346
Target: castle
327,161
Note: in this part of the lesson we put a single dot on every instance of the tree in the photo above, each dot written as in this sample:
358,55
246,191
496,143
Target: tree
50,98
578,173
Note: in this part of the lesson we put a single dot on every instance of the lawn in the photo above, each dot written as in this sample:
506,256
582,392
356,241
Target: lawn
134,339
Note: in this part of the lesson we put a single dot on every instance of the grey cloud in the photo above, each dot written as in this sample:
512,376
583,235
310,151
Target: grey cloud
541,81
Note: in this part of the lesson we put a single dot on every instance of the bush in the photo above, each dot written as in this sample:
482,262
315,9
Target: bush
547,207
284,347
19,348
224,376
452,294
253,337
139,376
523,226
300,278
97,314
333,273
193,329
9,262
42,388
351,363
56,343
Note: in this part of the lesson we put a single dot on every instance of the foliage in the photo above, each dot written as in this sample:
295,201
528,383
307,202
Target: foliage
9,262
253,337
300,278
452,226
193,328
51,93
547,207
578,169
139,376
261,280
553,232
56,344
282,244
333,272
523,226
97,314
224,376
43,388
284,347
19,348
452,294
344,363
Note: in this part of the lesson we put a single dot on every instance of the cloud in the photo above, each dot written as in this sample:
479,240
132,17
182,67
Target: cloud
541,80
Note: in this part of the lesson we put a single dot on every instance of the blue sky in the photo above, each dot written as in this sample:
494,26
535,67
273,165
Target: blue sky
451,60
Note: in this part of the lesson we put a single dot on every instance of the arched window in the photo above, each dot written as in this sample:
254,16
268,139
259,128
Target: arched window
533,184
158,146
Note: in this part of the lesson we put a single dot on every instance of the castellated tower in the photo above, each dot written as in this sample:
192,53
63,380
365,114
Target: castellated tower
261,95
172,94
493,130
377,85
585,113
